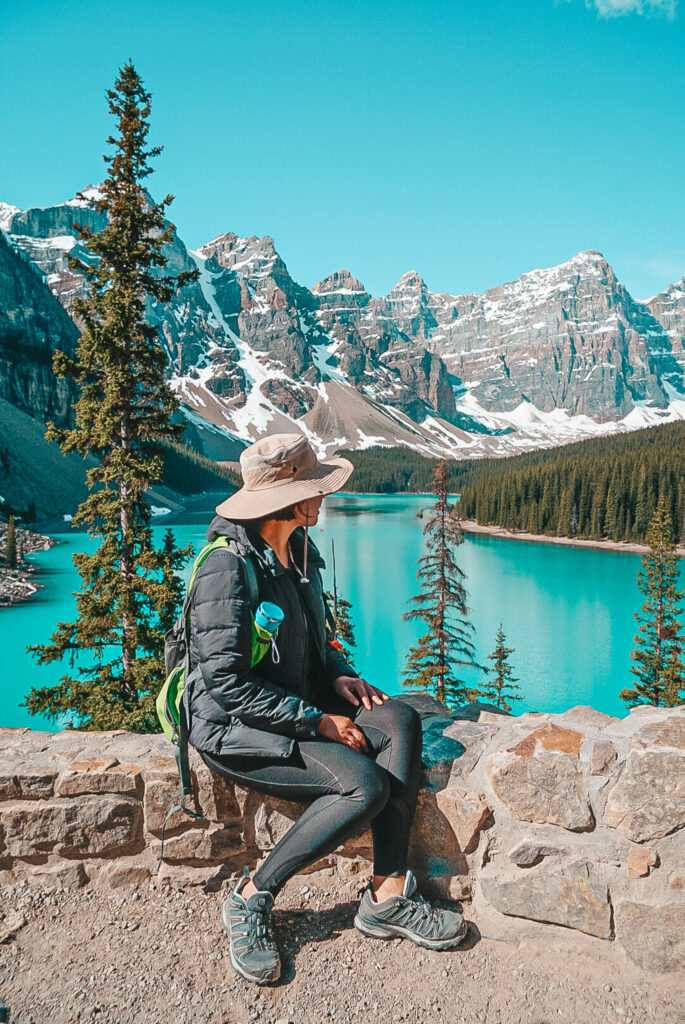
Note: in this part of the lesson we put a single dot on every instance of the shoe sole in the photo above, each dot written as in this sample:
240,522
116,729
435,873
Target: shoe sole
398,932
238,967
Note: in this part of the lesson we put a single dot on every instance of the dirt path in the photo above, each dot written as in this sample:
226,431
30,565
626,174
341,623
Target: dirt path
159,956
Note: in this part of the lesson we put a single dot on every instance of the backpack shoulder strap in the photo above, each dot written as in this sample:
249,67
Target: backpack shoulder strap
243,555
251,580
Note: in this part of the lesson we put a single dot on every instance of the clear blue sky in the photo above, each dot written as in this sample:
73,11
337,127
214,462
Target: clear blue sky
471,140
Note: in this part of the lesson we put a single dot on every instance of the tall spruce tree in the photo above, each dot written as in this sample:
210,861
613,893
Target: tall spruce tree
129,591
658,653
441,603
11,544
500,684
342,615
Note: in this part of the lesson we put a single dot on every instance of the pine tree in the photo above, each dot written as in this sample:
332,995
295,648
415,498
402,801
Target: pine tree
500,690
574,520
11,544
344,627
564,518
129,591
441,604
342,615
657,656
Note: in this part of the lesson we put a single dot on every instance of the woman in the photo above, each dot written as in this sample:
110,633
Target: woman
304,727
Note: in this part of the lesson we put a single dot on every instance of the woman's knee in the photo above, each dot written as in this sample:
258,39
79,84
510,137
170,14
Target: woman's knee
372,787
400,719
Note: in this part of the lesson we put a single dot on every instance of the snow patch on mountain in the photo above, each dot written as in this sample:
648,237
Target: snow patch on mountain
7,211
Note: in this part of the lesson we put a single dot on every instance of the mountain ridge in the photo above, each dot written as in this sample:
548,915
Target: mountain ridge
556,354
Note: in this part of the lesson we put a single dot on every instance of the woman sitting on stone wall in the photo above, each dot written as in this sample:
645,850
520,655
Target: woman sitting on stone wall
305,727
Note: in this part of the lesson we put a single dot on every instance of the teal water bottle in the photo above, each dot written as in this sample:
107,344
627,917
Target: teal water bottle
269,616
267,619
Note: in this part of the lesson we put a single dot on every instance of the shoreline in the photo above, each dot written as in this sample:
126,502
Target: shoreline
18,583
625,546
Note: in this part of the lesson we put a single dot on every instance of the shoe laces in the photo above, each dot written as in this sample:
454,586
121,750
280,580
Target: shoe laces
260,926
426,910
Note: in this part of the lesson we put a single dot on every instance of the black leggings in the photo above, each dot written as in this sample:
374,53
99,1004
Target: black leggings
347,790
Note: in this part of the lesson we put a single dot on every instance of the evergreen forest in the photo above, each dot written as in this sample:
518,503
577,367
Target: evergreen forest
603,487
188,472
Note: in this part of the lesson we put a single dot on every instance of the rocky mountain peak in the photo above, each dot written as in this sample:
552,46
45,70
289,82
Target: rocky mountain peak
409,282
340,282
668,309
675,292
92,192
242,254
587,266
7,212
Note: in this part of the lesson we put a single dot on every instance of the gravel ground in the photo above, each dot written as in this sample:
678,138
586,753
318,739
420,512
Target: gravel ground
159,956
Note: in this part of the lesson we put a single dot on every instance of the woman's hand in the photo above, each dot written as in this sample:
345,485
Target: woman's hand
354,689
343,730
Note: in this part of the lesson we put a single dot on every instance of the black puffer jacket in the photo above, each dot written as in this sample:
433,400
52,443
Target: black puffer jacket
236,709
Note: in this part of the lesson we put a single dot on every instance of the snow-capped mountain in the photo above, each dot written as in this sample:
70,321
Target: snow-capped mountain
570,337
668,307
556,355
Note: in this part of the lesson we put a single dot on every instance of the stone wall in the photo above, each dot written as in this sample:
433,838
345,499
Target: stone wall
570,821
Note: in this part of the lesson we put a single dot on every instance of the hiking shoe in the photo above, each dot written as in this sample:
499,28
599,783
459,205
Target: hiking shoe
410,916
252,949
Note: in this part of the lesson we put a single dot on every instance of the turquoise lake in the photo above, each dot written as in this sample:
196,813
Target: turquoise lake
567,612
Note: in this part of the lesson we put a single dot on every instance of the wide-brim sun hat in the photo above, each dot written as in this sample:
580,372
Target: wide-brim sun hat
280,470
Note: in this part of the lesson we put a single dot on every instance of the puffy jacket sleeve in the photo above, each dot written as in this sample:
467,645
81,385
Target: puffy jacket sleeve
222,630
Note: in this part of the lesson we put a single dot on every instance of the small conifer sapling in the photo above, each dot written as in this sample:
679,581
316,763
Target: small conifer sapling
658,654
500,685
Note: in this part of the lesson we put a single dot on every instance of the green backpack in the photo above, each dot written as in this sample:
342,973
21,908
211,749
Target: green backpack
172,702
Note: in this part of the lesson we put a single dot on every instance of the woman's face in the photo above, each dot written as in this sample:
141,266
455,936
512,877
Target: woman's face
307,512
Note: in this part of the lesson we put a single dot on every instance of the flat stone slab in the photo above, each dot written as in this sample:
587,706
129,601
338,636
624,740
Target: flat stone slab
466,813
540,778
100,775
648,800
640,860
85,827
573,895
531,851
26,781
602,758
653,936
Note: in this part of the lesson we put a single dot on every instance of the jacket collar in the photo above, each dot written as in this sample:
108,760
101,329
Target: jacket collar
262,552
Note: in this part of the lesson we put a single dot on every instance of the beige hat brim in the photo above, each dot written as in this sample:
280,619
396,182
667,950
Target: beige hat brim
325,478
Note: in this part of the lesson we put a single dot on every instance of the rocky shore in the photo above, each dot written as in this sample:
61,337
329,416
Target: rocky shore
20,583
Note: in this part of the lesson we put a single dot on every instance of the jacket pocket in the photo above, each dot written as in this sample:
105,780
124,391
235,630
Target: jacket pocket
245,741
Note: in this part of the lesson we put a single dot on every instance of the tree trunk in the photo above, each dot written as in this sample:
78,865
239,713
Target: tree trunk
128,653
